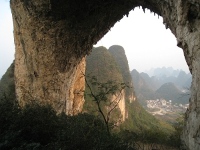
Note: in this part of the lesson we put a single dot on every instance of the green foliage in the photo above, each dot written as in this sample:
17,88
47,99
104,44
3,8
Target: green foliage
147,139
103,80
101,94
120,57
138,118
33,126
103,91
144,128
8,110
140,126
36,123
38,127
7,85
101,64
175,138
169,91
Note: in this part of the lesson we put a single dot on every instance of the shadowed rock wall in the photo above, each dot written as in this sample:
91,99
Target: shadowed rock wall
52,38
48,62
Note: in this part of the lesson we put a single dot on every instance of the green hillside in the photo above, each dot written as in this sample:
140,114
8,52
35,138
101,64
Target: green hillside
120,57
65,130
145,88
105,67
7,85
169,91
140,120
142,88
100,65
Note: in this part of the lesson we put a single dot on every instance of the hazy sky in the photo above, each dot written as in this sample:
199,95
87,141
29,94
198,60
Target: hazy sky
146,41
6,37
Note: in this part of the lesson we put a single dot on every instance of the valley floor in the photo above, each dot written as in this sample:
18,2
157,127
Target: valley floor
165,110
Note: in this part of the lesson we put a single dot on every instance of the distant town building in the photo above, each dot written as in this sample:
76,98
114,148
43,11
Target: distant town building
162,106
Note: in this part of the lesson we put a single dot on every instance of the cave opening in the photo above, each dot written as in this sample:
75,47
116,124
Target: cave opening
146,41
182,17
152,51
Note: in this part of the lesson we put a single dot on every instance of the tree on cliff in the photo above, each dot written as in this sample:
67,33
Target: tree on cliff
103,85
102,94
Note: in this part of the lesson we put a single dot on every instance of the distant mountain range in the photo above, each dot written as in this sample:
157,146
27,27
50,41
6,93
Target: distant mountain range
165,83
164,75
166,71
111,64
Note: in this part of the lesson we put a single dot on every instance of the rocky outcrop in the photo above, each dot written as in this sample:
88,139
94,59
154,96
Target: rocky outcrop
121,104
52,37
102,65
46,66
118,53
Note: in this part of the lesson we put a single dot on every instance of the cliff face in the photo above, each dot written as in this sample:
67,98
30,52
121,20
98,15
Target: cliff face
52,37
188,38
119,54
121,104
108,65
102,65
46,68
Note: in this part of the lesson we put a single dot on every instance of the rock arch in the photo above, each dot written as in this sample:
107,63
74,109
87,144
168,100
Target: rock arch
53,37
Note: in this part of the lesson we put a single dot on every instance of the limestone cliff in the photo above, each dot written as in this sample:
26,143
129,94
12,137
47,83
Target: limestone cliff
52,38
121,104
118,53
47,70
101,64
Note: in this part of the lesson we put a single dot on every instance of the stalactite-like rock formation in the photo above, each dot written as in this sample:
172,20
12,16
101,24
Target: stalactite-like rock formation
52,38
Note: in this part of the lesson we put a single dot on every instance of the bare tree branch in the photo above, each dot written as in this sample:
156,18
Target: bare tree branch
105,91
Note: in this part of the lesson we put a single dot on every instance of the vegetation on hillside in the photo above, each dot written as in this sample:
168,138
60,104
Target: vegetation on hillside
101,94
120,57
39,127
142,89
139,125
162,87
169,91
103,80
7,85
101,64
